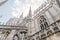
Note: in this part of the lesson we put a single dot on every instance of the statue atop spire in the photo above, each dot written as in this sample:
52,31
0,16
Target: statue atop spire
3,2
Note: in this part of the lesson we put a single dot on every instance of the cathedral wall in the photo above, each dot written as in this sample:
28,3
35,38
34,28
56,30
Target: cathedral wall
52,14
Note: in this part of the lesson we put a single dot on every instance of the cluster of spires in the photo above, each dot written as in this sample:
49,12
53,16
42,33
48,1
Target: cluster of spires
29,14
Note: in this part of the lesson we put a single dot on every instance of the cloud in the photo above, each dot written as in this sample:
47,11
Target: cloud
24,5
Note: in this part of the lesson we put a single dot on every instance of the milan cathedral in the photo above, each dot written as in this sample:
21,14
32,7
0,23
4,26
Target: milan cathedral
44,24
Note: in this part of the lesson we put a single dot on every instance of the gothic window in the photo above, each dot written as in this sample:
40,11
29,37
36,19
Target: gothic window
58,2
42,27
43,23
46,25
15,37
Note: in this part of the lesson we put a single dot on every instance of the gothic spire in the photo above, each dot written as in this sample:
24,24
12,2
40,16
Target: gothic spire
30,12
21,16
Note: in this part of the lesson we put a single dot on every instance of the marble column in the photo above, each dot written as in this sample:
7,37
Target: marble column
22,35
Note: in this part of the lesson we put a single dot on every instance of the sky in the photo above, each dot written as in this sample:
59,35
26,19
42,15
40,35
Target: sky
14,8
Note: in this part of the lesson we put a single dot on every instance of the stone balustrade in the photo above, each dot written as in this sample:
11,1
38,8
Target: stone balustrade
13,27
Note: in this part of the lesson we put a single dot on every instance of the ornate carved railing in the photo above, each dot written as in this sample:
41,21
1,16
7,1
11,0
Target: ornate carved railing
16,28
13,27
